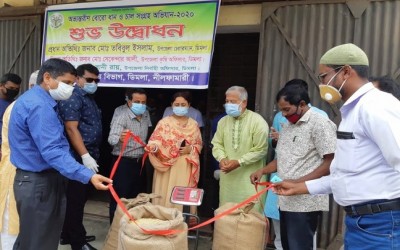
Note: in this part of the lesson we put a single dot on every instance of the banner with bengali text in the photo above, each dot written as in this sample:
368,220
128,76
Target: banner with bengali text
136,44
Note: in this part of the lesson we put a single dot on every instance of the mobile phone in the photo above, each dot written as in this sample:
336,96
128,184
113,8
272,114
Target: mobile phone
276,179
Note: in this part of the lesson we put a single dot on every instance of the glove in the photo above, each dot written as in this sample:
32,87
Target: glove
216,174
90,163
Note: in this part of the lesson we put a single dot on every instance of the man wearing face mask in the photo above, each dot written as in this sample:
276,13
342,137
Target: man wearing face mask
135,118
304,152
365,173
239,145
82,121
9,88
40,152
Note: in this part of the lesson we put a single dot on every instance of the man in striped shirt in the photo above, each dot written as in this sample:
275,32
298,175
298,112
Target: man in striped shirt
135,118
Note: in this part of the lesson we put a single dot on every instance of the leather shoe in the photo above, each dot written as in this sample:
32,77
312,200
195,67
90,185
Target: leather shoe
88,238
87,246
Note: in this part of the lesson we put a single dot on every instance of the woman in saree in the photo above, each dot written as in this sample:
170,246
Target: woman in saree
174,149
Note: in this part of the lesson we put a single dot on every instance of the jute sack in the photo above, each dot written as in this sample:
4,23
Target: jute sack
111,242
243,229
152,217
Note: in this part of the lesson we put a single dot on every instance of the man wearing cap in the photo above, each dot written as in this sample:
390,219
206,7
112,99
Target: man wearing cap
364,175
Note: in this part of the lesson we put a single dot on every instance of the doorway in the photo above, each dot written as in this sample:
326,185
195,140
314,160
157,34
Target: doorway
234,62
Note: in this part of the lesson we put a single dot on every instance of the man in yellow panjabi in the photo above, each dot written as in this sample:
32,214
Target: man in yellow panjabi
9,220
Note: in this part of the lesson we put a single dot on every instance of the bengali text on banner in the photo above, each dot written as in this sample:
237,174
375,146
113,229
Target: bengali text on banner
134,44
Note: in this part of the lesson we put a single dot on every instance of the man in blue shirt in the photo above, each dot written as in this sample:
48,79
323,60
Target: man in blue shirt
9,88
41,154
82,120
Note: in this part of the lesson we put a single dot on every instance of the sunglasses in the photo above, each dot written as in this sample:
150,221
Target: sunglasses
89,79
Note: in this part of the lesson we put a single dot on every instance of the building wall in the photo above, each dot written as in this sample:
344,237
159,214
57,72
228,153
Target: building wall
20,40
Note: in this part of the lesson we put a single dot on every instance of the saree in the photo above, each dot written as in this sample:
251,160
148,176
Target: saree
170,168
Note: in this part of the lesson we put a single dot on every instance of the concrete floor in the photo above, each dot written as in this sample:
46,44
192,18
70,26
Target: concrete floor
96,222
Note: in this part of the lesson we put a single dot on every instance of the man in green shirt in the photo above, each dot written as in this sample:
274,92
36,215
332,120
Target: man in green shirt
239,145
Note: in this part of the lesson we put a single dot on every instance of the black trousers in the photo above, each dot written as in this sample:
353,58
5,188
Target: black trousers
298,229
41,207
127,181
73,229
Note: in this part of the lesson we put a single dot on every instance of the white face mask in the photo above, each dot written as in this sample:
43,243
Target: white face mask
330,93
62,92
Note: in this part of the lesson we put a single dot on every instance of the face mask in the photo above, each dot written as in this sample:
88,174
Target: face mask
330,93
293,118
90,87
62,92
138,108
232,109
11,94
180,111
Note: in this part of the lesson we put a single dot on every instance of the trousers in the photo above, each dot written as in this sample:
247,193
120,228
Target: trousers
41,204
298,229
73,229
7,240
127,181
373,231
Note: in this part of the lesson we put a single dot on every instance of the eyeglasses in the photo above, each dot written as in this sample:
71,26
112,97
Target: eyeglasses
322,76
89,79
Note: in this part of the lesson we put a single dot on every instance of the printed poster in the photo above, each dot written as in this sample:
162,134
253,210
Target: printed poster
136,44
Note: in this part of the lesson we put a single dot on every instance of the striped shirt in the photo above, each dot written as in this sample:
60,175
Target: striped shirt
126,119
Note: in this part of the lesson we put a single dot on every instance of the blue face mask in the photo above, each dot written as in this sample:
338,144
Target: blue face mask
232,109
90,87
138,108
180,111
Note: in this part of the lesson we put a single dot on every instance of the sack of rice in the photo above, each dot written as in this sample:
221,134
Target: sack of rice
244,228
152,217
111,241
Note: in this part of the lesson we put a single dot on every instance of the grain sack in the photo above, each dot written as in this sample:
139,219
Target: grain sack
152,217
243,229
111,241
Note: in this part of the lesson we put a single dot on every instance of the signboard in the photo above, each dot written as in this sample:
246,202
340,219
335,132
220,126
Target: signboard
136,44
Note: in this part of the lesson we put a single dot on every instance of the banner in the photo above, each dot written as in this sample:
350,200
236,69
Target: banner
158,45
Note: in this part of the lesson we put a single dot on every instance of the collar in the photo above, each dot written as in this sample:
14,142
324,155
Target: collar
356,95
44,95
241,116
306,116
80,90
129,112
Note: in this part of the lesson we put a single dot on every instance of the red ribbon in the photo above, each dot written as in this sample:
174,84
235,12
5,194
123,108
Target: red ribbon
170,231
267,185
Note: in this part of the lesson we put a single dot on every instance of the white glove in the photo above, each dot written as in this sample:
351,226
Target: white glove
90,163
216,174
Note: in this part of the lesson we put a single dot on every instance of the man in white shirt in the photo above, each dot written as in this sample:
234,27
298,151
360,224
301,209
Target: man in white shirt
364,175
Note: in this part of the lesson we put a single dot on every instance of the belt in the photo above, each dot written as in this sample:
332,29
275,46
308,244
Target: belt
46,171
373,208
130,158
